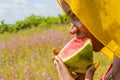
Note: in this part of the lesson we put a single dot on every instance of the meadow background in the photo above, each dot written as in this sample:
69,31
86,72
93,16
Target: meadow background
26,48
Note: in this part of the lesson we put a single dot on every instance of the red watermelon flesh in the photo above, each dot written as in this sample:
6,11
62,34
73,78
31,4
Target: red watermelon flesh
74,45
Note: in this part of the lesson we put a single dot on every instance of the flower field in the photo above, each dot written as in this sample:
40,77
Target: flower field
27,54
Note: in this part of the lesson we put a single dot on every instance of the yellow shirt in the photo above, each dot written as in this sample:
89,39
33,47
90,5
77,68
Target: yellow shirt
102,19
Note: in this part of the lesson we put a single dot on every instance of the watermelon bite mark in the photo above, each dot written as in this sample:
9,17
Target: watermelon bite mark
72,47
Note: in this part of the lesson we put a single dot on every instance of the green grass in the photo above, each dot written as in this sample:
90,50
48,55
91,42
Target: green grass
104,63
26,55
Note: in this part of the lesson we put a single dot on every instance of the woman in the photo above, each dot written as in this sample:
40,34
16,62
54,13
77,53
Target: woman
102,25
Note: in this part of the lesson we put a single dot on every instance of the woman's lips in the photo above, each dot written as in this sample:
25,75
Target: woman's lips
81,35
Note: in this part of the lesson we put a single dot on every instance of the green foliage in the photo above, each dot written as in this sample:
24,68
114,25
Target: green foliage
63,19
33,21
3,27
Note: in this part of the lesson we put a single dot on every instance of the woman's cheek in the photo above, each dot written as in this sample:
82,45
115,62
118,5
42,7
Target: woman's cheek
97,45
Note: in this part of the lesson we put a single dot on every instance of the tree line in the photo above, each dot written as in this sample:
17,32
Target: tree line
33,21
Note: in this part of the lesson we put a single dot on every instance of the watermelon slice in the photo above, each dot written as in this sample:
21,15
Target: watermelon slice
78,54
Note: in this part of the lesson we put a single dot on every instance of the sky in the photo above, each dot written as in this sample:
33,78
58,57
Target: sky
14,10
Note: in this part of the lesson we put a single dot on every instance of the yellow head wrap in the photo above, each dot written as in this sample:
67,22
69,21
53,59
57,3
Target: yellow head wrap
102,19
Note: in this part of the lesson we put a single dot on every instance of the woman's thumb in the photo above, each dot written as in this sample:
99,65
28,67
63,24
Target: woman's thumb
90,72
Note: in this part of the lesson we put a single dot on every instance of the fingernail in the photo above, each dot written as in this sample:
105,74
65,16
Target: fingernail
74,73
56,57
96,65
55,51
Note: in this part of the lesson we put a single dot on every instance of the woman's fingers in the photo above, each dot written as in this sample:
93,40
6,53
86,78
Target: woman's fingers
58,70
90,72
63,69
64,74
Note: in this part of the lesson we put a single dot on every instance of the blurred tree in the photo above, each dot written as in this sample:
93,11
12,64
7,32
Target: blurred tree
34,21
3,27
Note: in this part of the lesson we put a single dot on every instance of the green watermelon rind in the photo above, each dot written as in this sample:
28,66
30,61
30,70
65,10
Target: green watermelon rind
80,60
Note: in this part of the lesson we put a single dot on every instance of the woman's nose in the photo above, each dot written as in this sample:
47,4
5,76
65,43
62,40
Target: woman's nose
73,29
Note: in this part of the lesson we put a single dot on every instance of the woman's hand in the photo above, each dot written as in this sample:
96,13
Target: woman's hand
64,74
